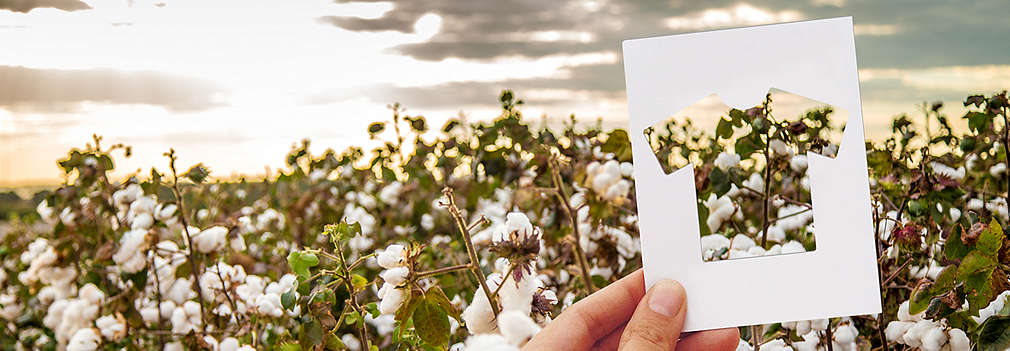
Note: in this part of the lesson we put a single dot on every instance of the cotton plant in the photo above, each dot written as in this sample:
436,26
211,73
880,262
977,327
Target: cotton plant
361,249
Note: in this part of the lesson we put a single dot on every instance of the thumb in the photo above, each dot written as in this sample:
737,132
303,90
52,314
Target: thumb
658,319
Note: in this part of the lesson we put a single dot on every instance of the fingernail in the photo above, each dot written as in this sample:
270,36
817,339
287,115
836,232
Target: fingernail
666,298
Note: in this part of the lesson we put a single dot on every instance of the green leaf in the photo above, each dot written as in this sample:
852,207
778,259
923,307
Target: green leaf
975,262
373,309
921,297
954,249
719,180
197,173
436,294
358,282
431,323
376,128
351,317
323,295
290,347
313,333
945,280
994,334
977,121
724,129
301,262
991,240
747,145
738,117
288,300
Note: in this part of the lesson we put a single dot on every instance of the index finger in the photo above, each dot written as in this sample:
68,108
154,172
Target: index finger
594,317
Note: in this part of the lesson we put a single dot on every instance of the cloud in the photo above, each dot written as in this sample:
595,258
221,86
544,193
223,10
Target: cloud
875,29
987,78
742,14
60,90
28,5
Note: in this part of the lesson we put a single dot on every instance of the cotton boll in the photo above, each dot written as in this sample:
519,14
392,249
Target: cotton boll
228,344
903,314
776,345
627,169
735,254
391,301
85,339
396,275
393,256
743,346
775,233
779,147
67,216
518,297
211,239
845,334
488,342
602,181
755,182
142,221
111,327
998,169
351,342
819,324
130,256
427,222
955,214
714,242
896,330
810,342
934,339
478,315
802,327
517,327
237,243
798,163
727,160
165,213
742,242
793,246
942,169
774,250
914,336
756,251
518,222
958,340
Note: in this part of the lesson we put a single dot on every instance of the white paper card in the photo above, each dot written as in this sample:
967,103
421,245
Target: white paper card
815,59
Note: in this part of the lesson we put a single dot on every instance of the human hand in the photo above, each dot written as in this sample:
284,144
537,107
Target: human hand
624,316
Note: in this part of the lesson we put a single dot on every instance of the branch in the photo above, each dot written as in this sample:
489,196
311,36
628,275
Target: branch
562,197
474,260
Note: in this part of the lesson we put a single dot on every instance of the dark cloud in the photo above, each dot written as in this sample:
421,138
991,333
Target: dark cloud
54,90
929,33
27,5
465,94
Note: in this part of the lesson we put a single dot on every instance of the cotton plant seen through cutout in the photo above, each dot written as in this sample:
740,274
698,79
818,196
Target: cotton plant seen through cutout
750,169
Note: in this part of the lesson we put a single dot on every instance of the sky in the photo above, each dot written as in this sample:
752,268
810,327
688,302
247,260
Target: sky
235,83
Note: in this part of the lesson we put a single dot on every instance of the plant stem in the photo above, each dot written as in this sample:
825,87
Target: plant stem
1006,150
562,196
470,250
512,267
189,239
754,337
828,335
880,275
363,331
768,177
449,269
